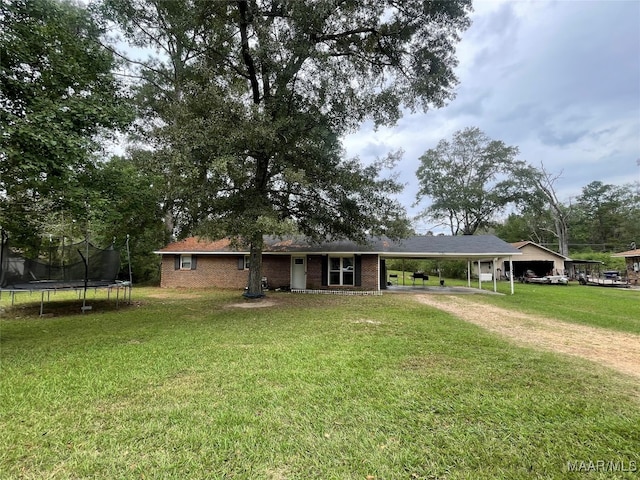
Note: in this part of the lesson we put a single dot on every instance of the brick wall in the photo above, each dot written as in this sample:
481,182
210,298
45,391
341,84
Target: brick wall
221,271
211,271
314,272
277,269
369,272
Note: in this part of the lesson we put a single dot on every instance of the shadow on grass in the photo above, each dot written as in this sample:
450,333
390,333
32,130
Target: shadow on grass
31,307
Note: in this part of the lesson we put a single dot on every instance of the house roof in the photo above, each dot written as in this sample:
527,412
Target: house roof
522,244
198,245
628,253
468,246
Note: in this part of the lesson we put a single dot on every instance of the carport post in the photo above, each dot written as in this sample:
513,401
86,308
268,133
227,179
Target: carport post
468,273
511,273
479,276
495,281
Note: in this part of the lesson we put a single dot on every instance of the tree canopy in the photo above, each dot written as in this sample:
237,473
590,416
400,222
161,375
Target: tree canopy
470,179
57,95
248,100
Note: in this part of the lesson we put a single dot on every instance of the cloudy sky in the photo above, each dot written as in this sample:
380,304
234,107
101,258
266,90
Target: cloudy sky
558,79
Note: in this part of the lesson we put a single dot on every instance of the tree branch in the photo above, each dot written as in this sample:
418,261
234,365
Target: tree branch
245,20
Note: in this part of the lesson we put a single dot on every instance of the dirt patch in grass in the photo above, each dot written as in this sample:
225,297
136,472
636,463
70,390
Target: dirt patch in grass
253,304
617,350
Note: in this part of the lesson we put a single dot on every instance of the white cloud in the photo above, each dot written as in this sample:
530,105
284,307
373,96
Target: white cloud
558,79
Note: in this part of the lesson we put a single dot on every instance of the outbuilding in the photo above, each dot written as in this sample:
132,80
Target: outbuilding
632,261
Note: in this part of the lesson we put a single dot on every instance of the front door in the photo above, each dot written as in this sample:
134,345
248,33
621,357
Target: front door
298,272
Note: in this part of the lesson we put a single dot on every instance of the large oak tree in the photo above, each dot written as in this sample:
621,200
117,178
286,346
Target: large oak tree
246,102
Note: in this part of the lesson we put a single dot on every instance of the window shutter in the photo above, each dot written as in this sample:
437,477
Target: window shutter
358,270
193,262
176,262
324,271
241,263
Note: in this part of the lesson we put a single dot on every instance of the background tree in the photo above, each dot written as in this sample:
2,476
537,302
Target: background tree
249,101
469,180
57,96
545,203
126,200
605,216
528,224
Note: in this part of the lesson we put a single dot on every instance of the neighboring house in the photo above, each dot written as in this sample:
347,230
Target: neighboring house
299,264
632,259
536,258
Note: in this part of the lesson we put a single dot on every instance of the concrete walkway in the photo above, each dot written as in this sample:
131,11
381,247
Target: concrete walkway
437,289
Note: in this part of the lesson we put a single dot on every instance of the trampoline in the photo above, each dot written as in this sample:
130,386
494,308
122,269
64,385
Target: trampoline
76,267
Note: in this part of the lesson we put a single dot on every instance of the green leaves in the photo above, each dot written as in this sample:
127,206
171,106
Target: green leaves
57,95
469,179
246,101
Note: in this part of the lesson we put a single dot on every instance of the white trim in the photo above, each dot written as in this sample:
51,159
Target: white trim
342,270
419,255
511,274
196,252
183,257
529,242
348,293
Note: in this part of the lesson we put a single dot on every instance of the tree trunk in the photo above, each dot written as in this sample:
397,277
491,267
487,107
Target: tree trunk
545,184
254,285
562,231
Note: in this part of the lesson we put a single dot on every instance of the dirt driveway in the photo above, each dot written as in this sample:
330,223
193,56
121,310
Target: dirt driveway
617,350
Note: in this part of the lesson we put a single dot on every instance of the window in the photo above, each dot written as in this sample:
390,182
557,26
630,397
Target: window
243,262
185,262
341,270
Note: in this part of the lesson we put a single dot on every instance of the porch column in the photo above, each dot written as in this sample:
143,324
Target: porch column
479,276
468,273
511,273
495,281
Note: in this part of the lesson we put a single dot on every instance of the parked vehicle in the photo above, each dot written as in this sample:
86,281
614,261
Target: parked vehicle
531,277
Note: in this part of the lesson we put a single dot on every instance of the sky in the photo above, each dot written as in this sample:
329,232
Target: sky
558,79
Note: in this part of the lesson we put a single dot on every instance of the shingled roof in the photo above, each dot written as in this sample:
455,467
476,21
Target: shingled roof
467,246
628,253
524,243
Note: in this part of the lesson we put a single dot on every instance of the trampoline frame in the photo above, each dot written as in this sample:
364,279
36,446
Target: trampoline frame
79,286
80,290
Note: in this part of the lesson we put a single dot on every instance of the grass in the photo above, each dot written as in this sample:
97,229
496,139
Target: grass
184,385
606,307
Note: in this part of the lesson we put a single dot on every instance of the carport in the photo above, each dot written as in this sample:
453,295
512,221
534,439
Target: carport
474,249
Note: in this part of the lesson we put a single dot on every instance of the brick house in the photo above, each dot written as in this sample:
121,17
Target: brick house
299,264
632,260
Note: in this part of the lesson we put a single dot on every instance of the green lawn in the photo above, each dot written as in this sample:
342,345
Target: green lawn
607,307
183,385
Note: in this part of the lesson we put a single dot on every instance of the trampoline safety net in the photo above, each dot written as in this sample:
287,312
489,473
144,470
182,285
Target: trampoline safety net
59,267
